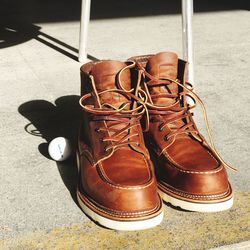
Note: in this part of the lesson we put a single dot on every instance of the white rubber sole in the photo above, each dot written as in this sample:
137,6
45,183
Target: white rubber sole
115,224
121,225
197,207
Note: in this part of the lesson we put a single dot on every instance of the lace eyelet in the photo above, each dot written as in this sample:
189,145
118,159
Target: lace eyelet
160,129
97,130
101,140
165,138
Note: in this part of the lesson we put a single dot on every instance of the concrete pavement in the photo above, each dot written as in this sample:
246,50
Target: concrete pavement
39,95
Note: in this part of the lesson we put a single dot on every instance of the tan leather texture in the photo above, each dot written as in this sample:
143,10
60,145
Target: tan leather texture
116,177
186,165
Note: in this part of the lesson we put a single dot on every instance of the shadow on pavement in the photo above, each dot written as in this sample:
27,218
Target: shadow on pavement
46,11
12,34
17,18
48,121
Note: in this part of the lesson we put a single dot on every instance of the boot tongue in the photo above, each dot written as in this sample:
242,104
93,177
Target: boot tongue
163,65
105,75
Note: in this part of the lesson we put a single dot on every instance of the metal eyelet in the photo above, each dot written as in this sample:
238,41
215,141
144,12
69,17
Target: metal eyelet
165,138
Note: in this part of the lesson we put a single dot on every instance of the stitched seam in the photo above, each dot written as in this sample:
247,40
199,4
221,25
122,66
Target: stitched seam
176,191
89,156
189,171
148,169
110,183
212,156
117,213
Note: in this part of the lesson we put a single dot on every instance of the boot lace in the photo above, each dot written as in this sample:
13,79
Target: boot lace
118,122
178,111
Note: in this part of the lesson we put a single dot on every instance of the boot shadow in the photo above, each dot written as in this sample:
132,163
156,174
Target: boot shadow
49,121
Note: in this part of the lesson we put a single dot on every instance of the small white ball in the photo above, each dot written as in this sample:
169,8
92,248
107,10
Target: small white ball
59,149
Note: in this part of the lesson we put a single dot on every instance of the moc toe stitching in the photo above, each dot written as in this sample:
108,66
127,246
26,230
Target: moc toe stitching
147,183
175,165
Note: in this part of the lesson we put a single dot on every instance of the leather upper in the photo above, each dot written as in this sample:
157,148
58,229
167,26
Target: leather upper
116,172
186,163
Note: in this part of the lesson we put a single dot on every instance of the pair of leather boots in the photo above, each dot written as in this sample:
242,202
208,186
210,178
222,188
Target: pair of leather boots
138,144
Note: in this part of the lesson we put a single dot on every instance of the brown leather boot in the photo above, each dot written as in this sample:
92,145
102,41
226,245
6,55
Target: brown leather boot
190,173
117,186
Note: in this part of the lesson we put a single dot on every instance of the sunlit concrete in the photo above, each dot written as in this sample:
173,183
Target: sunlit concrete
40,85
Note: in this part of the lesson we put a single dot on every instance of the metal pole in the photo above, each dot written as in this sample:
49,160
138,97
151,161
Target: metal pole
84,26
187,36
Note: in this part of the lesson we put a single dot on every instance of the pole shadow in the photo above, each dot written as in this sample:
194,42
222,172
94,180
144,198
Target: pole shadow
48,121
12,34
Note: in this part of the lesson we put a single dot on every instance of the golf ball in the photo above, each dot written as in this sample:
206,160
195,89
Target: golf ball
59,149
